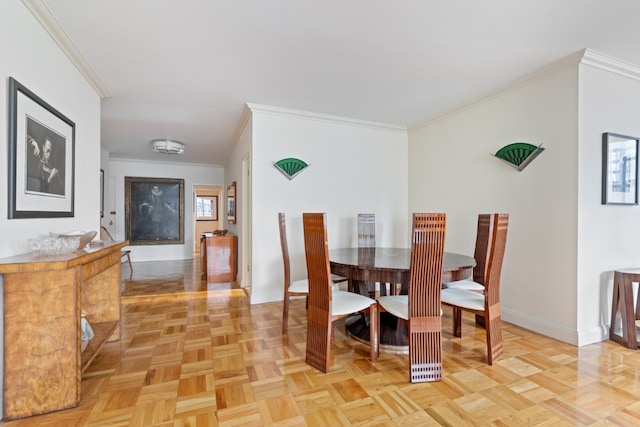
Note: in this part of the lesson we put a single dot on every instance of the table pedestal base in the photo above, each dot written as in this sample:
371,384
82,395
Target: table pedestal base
393,332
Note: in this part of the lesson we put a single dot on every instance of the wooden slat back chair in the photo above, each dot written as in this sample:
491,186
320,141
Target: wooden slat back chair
481,254
366,246
125,253
298,287
421,307
486,305
366,230
327,305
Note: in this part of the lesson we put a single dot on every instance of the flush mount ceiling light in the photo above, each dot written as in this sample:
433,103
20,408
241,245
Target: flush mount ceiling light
166,146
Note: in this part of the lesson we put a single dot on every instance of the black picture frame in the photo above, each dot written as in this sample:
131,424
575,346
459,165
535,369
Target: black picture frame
41,157
619,169
154,211
231,203
101,193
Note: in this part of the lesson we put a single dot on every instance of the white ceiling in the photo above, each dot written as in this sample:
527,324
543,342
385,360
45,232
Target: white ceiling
185,69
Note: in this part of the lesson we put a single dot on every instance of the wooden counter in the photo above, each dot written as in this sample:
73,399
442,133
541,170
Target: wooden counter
44,296
218,257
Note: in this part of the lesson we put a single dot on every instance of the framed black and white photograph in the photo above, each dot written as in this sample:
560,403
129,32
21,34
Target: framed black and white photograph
619,169
154,211
41,157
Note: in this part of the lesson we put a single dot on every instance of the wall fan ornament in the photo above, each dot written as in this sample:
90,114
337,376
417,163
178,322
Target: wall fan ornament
290,167
519,154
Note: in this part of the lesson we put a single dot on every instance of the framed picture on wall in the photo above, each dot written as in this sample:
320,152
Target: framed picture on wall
619,169
231,203
154,211
41,157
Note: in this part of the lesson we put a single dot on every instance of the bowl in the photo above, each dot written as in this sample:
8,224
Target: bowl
54,245
84,236
220,232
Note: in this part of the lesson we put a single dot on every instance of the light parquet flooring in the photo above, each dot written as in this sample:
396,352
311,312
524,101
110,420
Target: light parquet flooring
198,354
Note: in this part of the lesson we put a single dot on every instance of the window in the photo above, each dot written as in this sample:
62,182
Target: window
207,208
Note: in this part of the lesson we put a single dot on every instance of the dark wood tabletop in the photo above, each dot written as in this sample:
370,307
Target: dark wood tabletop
391,265
388,266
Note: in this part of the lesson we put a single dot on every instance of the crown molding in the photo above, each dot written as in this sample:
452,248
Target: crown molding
610,64
587,57
266,109
51,25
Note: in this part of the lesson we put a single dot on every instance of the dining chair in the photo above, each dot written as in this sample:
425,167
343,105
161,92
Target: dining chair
487,304
298,287
366,249
325,305
421,307
124,253
482,250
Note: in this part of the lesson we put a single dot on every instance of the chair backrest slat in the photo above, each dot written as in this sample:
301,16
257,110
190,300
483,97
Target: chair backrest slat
495,258
285,249
427,256
317,253
366,230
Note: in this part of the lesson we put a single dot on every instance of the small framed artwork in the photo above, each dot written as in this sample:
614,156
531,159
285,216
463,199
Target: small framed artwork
207,208
154,211
619,169
231,203
41,157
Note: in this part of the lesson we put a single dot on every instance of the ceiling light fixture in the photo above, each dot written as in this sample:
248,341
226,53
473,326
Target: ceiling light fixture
166,146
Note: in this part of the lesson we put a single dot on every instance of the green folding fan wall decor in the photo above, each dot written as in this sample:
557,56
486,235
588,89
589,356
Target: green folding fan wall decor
290,167
519,154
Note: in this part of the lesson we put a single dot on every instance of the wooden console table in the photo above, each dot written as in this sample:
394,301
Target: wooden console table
218,257
44,296
623,312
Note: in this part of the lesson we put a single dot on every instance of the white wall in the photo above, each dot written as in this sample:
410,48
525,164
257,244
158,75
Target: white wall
608,234
30,56
192,175
233,172
355,167
450,170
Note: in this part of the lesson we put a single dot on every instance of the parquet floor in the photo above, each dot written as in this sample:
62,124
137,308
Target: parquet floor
198,354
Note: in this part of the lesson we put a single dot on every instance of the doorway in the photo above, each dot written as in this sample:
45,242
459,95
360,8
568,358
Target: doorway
207,200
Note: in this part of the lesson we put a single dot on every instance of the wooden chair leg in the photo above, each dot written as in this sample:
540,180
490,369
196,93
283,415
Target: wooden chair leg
425,349
130,267
318,353
457,322
495,347
285,315
374,332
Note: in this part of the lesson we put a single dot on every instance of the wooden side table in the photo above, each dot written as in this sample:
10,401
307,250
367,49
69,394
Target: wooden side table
623,310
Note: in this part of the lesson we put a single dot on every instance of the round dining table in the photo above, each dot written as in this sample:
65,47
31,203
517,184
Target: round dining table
387,266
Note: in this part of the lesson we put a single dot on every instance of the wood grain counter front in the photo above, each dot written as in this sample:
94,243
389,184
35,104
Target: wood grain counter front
218,256
44,296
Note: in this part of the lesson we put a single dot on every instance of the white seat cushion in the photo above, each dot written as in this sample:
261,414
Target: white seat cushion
301,286
463,298
398,305
469,285
349,302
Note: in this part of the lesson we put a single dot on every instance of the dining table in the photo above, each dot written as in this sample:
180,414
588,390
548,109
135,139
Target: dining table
389,267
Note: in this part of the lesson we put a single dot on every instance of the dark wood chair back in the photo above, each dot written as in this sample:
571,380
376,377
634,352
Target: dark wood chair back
366,230
318,268
425,282
483,247
285,251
